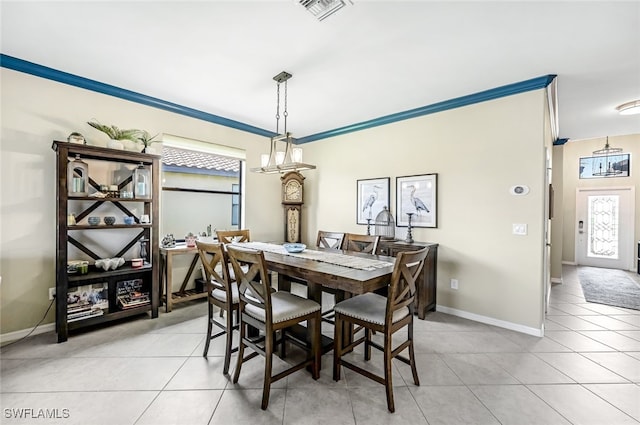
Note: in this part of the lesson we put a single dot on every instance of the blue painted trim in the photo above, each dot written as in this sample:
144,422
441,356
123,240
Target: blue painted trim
16,64
495,93
203,171
560,142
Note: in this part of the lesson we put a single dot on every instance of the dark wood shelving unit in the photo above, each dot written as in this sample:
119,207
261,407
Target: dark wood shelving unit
68,235
97,275
112,226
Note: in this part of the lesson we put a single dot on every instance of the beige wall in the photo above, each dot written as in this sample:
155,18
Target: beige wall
478,151
572,151
35,112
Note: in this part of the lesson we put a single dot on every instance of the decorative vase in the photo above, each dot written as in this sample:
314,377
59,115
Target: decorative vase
190,240
115,144
143,248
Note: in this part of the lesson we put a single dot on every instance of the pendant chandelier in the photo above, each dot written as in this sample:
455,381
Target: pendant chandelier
289,159
604,163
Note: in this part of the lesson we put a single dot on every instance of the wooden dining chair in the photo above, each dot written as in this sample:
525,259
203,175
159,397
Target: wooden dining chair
386,315
271,313
228,236
333,241
329,240
361,243
222,292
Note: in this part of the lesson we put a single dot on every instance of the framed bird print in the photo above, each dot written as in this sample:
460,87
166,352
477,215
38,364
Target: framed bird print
417,196
373,195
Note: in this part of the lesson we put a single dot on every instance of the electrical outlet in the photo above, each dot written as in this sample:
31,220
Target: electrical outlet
52,293
454,283
520,229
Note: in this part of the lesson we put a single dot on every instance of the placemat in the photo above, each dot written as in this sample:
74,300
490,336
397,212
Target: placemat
336,258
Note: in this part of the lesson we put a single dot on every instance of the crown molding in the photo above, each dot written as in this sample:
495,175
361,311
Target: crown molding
20,65
16,64
483,96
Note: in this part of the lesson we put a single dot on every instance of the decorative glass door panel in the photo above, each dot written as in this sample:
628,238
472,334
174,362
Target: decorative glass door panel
605,227
602,226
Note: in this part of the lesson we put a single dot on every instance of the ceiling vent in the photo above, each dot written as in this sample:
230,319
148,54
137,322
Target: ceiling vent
322,9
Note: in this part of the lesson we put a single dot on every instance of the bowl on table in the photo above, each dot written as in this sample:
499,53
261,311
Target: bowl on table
109,220
294,247
129,220
93,221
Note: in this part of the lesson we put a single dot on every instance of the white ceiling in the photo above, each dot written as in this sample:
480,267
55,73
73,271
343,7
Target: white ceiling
371,59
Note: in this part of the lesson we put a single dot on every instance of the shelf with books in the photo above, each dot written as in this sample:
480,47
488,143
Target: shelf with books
83,171
132,293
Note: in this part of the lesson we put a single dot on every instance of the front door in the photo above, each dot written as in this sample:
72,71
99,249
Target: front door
605,227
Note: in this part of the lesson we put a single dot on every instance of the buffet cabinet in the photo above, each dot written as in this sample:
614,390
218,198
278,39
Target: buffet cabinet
427,281
90,289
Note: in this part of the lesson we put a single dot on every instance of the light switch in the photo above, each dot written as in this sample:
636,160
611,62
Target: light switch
519,229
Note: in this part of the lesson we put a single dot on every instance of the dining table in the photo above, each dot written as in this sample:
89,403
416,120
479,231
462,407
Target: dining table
348,273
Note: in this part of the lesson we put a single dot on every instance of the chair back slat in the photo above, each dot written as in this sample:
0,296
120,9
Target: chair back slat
329,240
229,236
212,255
402,289
361,243
254,285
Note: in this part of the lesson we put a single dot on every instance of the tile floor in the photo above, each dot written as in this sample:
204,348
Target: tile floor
586,370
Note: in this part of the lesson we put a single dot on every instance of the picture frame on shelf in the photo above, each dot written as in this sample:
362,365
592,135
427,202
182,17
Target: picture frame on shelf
417,195
372,197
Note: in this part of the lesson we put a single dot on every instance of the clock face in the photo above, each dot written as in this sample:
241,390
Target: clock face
293,191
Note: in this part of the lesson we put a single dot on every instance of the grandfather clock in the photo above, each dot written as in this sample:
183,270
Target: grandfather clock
292,188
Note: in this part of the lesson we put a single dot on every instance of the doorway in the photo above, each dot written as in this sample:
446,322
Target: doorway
605,227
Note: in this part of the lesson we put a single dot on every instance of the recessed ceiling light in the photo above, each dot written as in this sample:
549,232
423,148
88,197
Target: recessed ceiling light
629,108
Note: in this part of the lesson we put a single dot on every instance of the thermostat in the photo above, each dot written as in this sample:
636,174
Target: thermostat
519,189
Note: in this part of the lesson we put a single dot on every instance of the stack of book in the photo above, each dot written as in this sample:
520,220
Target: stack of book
81,311
87,301
131,294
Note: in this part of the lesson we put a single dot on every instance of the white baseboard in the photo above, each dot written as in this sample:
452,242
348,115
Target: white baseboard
12,336
490,321
570,263
556,280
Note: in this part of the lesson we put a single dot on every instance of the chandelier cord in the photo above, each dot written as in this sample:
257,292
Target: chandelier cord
285,113
278,108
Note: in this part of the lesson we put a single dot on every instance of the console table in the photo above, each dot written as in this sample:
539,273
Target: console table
166,278
426,289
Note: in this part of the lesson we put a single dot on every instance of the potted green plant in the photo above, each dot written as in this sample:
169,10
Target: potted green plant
115,134
146,139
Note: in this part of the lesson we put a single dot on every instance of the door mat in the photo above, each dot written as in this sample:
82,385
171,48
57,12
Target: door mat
609,286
